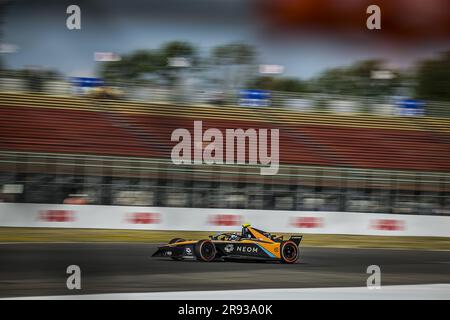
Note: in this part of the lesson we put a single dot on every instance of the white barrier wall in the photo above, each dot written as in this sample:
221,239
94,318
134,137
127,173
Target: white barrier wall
162,218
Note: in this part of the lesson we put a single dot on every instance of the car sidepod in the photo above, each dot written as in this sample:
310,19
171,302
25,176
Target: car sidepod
248,249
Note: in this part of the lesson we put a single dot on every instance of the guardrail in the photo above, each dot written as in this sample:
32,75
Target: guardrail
198,219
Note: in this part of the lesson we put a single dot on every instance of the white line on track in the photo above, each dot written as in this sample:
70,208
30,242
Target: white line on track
400,292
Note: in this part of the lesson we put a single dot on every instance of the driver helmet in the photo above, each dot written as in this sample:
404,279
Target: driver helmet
233,237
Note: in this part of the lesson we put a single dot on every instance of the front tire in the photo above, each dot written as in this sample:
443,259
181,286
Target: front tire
289,252
205,250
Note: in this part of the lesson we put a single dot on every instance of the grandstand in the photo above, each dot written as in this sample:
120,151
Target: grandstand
118,152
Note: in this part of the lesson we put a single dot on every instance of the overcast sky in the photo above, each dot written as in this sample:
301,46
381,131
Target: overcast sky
38,28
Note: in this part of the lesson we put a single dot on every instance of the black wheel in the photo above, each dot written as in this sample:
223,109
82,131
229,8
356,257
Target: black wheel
205,250
289,252
175,240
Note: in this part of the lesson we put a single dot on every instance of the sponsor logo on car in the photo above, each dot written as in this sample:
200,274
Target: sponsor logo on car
247,249
229,248
188,251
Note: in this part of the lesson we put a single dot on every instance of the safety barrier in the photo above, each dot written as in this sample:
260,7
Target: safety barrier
193,219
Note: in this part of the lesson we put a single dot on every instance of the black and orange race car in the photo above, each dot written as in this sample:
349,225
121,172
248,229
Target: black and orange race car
251,244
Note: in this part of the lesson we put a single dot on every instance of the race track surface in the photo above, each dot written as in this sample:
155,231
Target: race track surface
40,269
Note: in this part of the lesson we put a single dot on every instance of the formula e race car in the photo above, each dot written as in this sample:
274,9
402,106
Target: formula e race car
251,244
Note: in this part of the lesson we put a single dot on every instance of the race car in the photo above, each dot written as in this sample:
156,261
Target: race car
251,243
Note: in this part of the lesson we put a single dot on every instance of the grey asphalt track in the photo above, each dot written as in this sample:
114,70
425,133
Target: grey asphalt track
40,269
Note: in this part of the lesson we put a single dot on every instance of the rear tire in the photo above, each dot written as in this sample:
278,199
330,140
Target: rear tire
289,252
175,240
205,250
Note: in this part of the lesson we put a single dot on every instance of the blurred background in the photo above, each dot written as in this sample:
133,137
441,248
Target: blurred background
364,115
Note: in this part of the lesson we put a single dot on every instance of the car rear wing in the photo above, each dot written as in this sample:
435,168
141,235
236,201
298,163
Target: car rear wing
296,239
